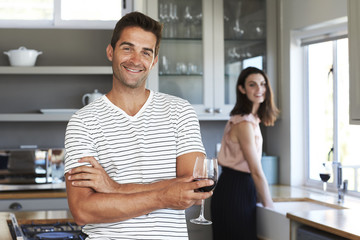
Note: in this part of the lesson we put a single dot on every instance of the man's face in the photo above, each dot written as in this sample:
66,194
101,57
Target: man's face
133,57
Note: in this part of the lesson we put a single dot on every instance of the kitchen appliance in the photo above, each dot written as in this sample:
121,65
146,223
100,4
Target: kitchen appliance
22,57
55,229
90,97
32,169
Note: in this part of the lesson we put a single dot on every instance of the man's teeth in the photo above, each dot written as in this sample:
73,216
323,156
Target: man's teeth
132,70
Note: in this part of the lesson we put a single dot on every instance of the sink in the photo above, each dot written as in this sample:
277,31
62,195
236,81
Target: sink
273,223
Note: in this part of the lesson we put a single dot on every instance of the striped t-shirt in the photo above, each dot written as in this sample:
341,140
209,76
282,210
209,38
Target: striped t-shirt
136,149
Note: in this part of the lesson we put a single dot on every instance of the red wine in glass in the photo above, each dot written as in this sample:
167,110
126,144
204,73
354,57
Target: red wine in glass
324,177
207,188
325,174
205,168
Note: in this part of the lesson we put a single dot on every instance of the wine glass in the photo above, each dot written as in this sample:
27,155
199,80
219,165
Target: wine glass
325,174
188,18
205,168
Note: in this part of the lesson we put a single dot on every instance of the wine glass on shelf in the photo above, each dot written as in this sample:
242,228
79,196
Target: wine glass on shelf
205,168
188,18
325,174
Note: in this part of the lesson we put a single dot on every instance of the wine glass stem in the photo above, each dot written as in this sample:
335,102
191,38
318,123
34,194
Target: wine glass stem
324,186
202,208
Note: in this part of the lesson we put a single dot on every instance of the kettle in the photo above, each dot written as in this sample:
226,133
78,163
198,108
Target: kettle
90,97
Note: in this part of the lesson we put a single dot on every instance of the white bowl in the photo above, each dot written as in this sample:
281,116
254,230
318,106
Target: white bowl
22,57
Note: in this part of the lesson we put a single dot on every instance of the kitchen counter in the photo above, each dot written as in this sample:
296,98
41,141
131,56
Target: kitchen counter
340,219
342,223
33,194
41,215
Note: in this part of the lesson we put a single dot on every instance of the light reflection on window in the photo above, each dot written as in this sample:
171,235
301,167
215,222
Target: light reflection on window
90,10
26,9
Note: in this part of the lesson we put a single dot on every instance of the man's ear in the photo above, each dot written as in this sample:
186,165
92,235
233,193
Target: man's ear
109,52
155,61
241,89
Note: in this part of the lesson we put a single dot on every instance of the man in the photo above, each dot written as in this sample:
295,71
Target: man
130,154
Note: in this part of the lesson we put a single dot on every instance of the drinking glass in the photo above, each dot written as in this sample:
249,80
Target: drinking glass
205,168
325,174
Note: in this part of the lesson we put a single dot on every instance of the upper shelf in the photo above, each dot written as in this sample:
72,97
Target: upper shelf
82,70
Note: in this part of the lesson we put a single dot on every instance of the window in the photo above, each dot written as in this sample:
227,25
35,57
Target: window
330,136
62,13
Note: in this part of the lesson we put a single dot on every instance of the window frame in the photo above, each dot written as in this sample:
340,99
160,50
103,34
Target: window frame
57,22
311,182
339,32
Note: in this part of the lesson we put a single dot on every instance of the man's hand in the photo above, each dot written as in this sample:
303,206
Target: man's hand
93,177
181,193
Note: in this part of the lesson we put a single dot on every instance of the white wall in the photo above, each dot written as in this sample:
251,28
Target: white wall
286,139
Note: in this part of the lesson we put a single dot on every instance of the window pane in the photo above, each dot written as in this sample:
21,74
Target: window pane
348,134
90,10
320,106
26,9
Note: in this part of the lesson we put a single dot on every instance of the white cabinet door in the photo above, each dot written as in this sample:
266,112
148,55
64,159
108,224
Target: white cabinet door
203,51
354,59
185,65
246,36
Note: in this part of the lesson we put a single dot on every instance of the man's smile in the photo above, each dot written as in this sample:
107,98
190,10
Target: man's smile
133,70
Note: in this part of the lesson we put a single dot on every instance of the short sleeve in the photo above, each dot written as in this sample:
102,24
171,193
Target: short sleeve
78,143
188,131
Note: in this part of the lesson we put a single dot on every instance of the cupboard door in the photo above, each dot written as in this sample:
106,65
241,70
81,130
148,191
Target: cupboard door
354,59
186,52
243,31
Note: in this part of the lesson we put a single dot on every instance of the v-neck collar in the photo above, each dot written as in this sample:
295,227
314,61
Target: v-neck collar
136,116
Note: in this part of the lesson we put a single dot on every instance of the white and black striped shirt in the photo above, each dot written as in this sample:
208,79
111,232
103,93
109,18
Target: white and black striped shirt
136,149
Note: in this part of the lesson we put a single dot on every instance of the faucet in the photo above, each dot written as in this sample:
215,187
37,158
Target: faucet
340,184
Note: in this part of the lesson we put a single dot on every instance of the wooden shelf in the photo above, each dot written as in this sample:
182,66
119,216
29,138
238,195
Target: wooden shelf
63,70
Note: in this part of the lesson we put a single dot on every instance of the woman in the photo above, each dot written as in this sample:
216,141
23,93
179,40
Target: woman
233,204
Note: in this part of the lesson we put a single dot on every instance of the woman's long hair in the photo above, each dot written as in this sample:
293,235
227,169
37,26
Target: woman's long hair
267,111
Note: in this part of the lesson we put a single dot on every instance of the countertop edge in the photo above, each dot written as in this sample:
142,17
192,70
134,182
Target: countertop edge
32,195
301,219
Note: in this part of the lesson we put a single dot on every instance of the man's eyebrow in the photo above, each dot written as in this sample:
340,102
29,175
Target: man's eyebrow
126,43
131,44
149,49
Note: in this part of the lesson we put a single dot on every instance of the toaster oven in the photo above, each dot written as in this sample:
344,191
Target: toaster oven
32,169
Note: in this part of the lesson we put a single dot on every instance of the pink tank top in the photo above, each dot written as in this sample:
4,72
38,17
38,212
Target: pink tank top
231,155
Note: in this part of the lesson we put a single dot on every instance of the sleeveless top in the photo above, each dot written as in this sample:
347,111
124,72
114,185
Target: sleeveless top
231,154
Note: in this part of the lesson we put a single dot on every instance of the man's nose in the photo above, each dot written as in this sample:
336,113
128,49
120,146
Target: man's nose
135,57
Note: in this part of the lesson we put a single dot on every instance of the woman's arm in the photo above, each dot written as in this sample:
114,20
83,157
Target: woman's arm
245,135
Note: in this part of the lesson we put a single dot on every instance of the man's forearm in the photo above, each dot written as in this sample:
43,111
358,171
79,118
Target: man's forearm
136,188
93,207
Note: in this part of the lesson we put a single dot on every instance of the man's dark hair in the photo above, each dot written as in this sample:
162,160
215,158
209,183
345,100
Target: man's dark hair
137,19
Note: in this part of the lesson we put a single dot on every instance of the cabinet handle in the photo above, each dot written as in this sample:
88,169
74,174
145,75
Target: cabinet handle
209,110
218,110
15,206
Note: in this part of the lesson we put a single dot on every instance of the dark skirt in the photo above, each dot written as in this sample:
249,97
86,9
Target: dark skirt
233,206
